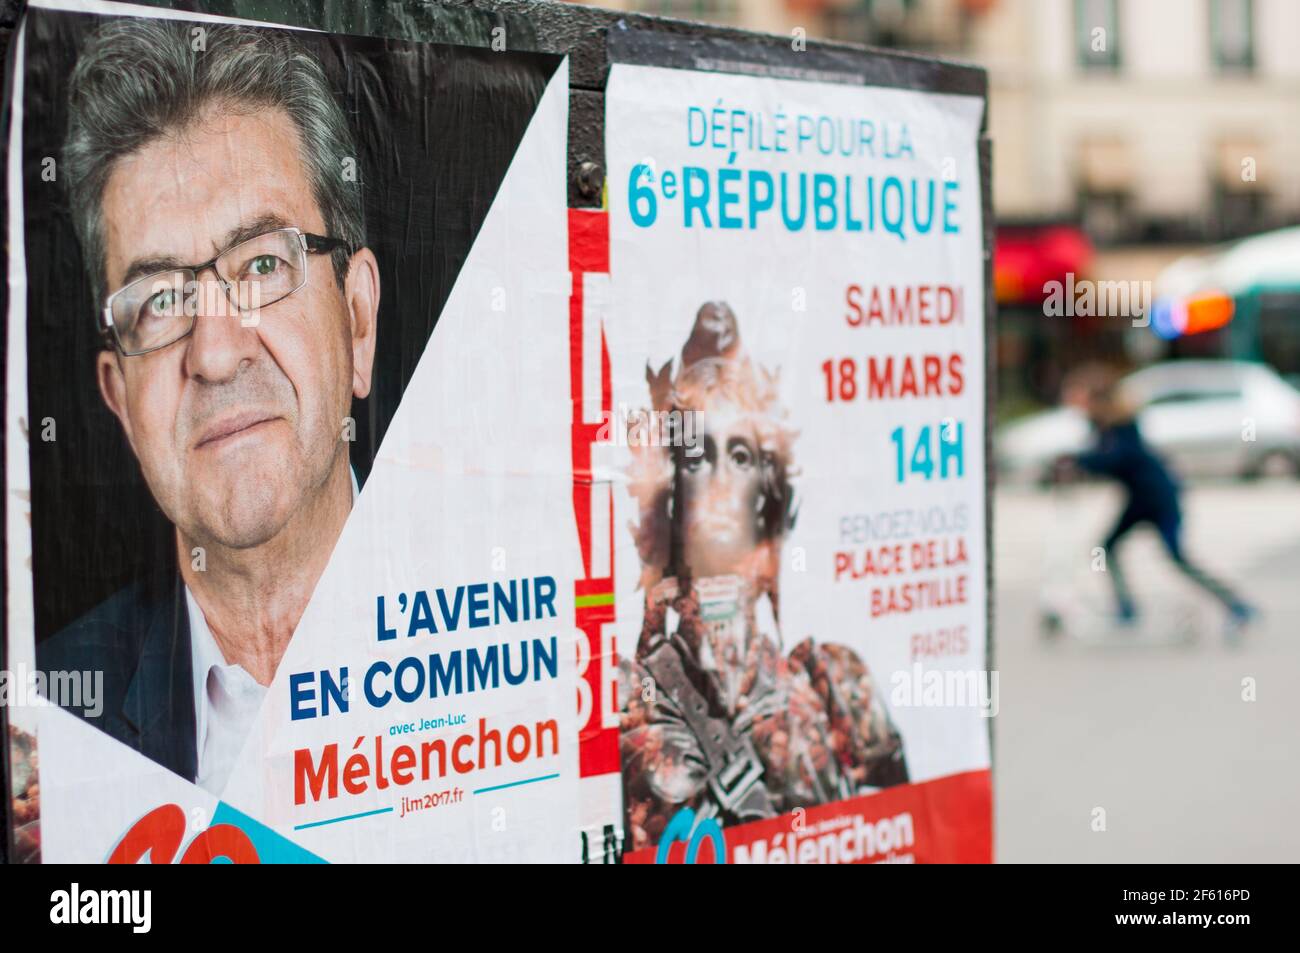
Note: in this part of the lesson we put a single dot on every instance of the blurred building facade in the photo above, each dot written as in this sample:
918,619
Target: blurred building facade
1164,120
1149,120
1154,128
1126,133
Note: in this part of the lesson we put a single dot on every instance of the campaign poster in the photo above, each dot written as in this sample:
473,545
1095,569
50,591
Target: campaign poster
291,556
794,319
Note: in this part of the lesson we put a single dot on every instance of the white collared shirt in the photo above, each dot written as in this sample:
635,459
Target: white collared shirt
226,698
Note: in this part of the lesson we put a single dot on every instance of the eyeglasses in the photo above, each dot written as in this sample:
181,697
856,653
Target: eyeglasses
158,310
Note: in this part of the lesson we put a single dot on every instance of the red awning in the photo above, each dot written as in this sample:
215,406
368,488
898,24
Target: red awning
1025,258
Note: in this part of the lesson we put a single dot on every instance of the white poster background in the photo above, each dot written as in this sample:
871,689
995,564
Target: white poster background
787,289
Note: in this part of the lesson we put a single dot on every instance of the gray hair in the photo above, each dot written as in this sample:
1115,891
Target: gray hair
138,80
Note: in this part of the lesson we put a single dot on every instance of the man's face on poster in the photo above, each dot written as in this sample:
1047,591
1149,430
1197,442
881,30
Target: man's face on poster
719,493
236,425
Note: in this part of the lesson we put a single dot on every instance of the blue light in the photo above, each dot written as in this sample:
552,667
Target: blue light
1162,319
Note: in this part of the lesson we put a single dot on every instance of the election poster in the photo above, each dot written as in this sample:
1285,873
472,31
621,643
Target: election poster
365,503
793,317
290,543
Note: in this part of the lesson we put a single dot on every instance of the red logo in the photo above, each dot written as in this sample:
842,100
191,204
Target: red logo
160,832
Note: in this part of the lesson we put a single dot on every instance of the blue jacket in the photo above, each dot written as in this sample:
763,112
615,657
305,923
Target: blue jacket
1121,453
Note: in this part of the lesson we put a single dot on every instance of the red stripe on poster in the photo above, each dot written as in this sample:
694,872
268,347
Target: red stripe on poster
593,594
947,820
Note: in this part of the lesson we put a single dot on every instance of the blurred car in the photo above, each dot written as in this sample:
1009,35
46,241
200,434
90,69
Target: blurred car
1198,414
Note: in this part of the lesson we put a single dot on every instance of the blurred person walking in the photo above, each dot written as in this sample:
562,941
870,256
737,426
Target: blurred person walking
1120,452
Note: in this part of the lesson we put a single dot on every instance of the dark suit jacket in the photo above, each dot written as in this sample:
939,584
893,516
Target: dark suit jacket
1121,452
140,639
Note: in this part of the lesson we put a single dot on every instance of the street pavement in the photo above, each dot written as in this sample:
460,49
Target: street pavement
1153,732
